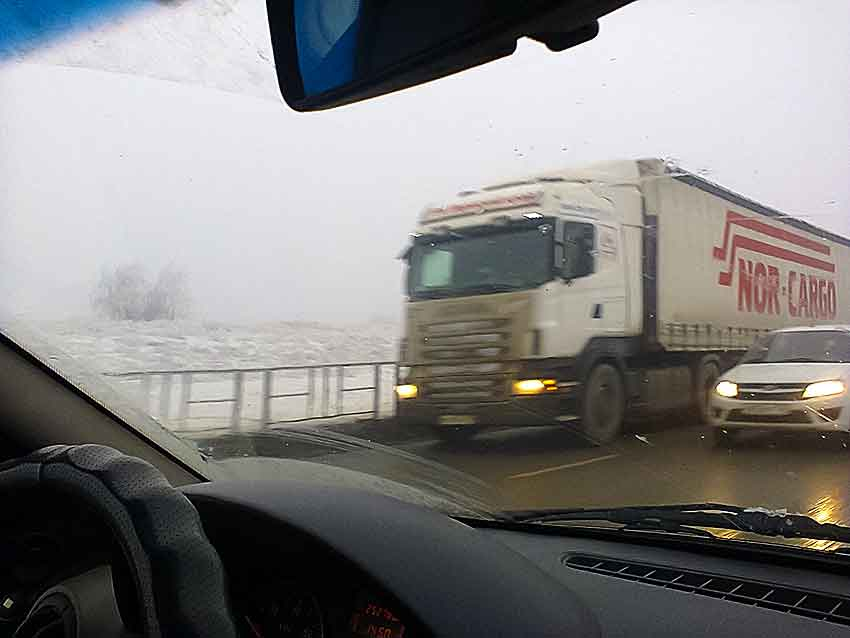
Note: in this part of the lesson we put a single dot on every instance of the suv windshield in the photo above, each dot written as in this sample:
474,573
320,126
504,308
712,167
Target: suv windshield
495,262
593,241
822,346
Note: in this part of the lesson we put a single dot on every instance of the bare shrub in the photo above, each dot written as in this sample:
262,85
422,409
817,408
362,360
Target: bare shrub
124,292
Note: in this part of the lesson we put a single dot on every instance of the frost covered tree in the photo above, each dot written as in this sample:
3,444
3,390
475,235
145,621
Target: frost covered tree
124,293
168,298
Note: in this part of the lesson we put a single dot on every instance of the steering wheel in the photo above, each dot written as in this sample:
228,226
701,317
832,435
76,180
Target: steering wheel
177,575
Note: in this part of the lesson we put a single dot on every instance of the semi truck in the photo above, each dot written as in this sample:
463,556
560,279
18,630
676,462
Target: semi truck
586,295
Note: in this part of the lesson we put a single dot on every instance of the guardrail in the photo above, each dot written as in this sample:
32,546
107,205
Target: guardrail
322,388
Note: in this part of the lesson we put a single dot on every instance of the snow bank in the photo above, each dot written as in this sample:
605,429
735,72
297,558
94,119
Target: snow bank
138,346
127,346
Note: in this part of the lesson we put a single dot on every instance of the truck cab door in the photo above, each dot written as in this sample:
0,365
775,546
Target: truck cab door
609,277
568,306
589,297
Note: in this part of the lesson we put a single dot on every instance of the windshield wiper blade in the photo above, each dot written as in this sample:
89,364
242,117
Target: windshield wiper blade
447,291
754,520
479,288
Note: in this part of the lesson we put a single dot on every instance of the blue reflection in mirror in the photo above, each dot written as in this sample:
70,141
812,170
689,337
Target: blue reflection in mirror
26,25
326,40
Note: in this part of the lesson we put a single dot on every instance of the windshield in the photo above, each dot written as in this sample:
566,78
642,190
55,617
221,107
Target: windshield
823,346
495,262
592,239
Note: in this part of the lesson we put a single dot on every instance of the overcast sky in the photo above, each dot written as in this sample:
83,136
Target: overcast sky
160,138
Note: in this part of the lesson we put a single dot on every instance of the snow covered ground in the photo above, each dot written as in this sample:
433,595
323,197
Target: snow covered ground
115,348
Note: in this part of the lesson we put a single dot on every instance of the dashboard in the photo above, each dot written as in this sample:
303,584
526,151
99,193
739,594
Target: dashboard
304,592
312,561
315,610
441,577
286,583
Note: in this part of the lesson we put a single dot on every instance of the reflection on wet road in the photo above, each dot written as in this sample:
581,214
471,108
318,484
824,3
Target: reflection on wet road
550,467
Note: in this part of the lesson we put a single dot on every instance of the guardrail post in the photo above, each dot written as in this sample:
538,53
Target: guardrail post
265,415
326,389
164,397
146,392
237,401
376,410
185,396
340,384
311,390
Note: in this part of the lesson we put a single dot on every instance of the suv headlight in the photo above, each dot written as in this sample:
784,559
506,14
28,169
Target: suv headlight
726,389
824,389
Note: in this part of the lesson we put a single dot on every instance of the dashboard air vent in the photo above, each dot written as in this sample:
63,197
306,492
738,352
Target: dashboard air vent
799,602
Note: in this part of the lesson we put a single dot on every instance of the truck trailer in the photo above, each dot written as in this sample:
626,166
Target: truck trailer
588,294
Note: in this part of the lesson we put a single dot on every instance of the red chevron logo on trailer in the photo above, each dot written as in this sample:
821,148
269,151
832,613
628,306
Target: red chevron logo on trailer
747,243
805,294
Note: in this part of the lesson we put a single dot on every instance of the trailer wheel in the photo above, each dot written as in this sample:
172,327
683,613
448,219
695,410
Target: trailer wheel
603,404
707,376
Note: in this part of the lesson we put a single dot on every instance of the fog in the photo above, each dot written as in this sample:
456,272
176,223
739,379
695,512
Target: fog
115,149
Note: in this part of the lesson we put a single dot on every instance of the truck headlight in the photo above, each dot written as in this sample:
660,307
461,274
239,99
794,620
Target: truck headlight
727,389
534,386
824,389
407,391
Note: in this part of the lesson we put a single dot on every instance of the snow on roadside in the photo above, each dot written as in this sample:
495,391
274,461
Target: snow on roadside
114,347
125,346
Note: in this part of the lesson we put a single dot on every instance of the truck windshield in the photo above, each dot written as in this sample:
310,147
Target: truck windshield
821,346
480,264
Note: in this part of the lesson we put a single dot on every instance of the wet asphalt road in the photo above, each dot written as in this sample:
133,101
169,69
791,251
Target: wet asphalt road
671,462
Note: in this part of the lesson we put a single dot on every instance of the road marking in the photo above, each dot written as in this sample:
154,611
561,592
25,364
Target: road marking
566,466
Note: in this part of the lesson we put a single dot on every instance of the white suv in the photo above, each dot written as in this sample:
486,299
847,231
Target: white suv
791,379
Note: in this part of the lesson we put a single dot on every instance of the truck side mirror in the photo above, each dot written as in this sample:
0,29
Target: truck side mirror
408,272
577,251
558,258
587,262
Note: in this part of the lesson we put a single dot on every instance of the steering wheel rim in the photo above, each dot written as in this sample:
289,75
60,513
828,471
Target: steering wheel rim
178,576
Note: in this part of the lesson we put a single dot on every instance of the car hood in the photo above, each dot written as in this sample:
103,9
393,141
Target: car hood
787,372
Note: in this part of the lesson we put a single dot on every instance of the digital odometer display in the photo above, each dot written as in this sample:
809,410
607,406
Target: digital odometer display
373,620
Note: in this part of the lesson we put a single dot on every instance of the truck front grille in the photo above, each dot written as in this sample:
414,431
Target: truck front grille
465,390
466,340
465,361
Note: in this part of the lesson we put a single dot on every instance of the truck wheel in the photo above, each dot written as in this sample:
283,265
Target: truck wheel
707,376
603,404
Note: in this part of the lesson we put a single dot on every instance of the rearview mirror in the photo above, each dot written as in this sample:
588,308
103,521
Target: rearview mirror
334,52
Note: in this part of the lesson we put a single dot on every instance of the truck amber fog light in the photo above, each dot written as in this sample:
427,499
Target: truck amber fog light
407,391
534,386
